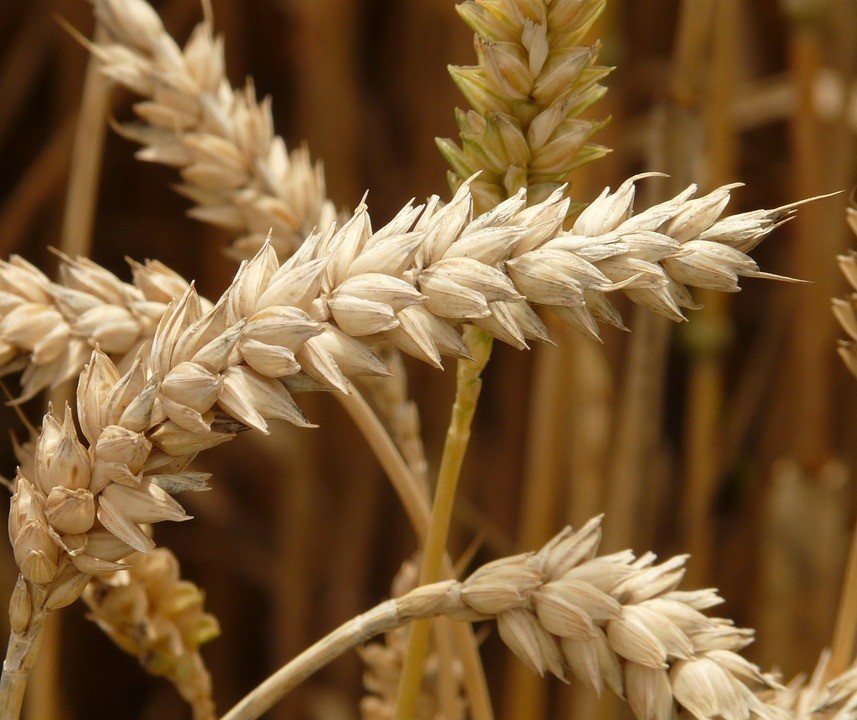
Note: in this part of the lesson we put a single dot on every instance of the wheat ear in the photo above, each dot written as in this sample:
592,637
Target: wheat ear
532,81
155,616
615,622
429,269
236,170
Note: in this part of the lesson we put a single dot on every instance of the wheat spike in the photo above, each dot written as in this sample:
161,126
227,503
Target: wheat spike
411,282
149,612
236,170
617,622
532,82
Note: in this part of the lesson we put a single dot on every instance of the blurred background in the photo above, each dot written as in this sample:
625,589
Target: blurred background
729,437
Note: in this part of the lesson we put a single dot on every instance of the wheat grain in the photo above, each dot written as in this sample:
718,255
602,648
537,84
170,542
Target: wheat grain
531,83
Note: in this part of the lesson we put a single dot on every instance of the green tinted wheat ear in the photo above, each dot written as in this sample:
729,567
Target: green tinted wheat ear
235,169
532,81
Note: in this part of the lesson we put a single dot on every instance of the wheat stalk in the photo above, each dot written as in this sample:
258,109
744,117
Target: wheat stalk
531,82
271,323
383,666
274,322
236,170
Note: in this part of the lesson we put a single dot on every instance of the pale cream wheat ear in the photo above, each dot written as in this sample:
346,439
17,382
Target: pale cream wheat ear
234,167
616,622
429,269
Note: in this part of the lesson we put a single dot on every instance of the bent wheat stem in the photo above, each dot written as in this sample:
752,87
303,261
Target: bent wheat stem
407,487
358,630
845,631
85,171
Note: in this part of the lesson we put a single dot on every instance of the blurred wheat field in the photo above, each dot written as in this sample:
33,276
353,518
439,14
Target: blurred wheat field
728,437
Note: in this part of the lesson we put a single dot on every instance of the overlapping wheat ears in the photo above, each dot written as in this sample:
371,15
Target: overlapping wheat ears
165,374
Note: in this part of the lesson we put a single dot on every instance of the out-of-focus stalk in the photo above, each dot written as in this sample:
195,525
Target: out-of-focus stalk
708,335
676,150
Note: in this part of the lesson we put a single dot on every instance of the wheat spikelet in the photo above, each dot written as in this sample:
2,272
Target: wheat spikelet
235,169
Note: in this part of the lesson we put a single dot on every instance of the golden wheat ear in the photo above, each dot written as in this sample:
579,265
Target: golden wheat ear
235,169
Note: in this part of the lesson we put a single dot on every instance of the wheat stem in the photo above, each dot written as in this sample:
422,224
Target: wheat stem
410,493
468,387
710,335
358,630
845,630
407,487
21,653
636,424
82,194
